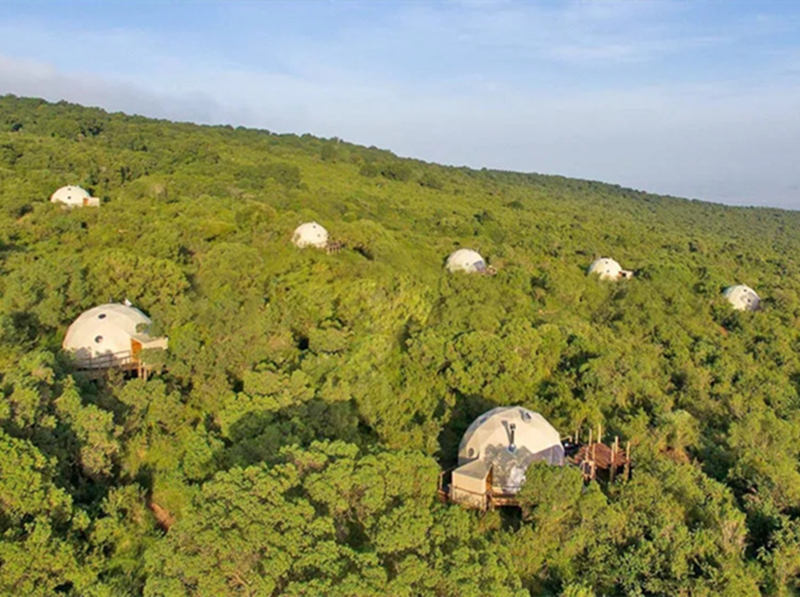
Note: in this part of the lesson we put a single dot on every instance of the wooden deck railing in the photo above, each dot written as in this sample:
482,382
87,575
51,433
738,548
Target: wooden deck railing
124,360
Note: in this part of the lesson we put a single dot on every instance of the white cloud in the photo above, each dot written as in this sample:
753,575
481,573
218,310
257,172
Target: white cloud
36,79
728,140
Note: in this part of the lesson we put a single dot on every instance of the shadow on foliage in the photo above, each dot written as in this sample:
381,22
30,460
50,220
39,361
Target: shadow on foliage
52,433
364,251
21,327
467,408
258,436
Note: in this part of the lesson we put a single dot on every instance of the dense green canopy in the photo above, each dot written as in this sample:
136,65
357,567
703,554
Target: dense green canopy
298,422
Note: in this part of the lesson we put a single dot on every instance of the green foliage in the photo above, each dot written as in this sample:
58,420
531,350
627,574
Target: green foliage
299,420
325,520
430,180
395,170
369,170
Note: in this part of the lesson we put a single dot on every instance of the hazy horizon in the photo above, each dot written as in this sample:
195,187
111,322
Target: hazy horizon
697,101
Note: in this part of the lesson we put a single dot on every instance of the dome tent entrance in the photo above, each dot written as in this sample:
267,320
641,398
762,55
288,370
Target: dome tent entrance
310,234
110,336
467,260
74,196
609,269
496,451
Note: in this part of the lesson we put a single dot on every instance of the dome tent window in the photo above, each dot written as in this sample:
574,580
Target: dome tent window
74,196
111,336
608,269
310,234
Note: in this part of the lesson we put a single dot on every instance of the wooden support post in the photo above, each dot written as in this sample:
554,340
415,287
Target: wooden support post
628,461
613,468
600,433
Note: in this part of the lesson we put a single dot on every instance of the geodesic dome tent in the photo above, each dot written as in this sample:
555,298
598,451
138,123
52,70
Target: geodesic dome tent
608,269
111,335
742,298
466,260
496,451
74,196
310,234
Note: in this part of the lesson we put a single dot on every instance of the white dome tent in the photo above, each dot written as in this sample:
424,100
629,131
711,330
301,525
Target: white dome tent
608,269
467,260
74,196
110,335
310,234
496,451
742,298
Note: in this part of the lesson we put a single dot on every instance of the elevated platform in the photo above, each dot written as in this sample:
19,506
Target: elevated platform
597,458
98,366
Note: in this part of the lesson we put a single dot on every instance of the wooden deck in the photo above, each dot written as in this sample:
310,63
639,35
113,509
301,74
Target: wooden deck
334,246
97,367
603,456
597,457
497,500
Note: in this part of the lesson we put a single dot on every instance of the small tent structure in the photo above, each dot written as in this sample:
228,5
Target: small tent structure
608,269
74,196
467,260
110,336
742,298
310,234
496,451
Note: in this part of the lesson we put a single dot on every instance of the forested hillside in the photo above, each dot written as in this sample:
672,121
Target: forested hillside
296,427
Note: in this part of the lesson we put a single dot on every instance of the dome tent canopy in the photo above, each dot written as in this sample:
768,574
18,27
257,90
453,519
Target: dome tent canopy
467,260
609,269
74,196
497,449
109,335
310,234
742,298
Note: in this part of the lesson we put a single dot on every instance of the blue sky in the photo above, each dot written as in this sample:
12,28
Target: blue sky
698,99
